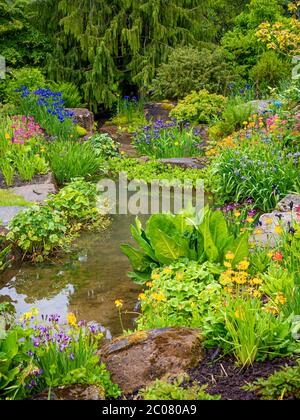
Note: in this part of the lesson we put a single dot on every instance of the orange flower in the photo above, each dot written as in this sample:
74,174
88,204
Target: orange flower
278,256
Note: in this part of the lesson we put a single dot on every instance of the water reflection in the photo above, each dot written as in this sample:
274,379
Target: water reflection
86,283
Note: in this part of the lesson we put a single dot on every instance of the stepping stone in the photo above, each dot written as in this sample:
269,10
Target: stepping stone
187,163
35,193
8,213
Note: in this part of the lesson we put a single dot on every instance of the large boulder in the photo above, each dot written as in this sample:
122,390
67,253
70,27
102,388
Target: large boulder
139,359
84,117
290,203
158,110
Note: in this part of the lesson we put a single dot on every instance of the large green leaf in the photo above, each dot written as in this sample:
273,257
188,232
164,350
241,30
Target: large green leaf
240,248
210,248
137,259
167,249
140,237
219,229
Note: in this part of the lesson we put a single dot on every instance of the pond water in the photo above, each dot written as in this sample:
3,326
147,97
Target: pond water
86,283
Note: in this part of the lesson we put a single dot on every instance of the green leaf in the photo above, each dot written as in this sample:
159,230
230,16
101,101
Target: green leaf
137,259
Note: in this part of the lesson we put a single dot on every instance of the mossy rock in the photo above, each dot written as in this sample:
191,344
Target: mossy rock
137,360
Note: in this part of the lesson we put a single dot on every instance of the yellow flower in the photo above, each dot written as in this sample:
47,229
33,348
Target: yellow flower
224,280
243,265
26,316
155,276
228,289
256,281
269,221
167,270
240,280
237,213
270,254
256,294
7,136
245,123
72,319
280,299
158,297
250,219
229,256
258,232
278,230
149,284
119,303
142,297
227,264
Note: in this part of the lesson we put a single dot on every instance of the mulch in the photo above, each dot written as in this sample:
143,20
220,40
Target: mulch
224,378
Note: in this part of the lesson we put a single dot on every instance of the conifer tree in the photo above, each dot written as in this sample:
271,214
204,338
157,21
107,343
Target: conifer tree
100,44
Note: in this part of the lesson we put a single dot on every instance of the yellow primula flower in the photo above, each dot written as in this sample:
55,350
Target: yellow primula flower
142,297
240,280
269,221
72,319
119,303
155,276
243,265
167,270
7,136
159,297
256,281
256,294
229,256
26,316
278,230
280,299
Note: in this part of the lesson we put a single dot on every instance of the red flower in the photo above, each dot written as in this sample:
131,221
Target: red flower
278,256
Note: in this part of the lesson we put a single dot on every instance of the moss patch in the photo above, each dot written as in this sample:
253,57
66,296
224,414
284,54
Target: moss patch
9,198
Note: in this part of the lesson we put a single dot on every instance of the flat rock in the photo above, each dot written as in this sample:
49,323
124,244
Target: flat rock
35,193
137,360
187,163
8,213
290,203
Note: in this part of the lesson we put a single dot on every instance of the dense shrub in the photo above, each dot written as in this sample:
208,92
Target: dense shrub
191,69
199,107
270,70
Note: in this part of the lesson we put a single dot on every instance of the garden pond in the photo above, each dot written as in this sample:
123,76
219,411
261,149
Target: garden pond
86,282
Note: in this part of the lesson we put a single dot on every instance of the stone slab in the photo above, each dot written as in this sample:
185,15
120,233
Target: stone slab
8,213
35,193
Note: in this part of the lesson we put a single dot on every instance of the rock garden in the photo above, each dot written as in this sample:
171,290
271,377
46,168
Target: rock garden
202,303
